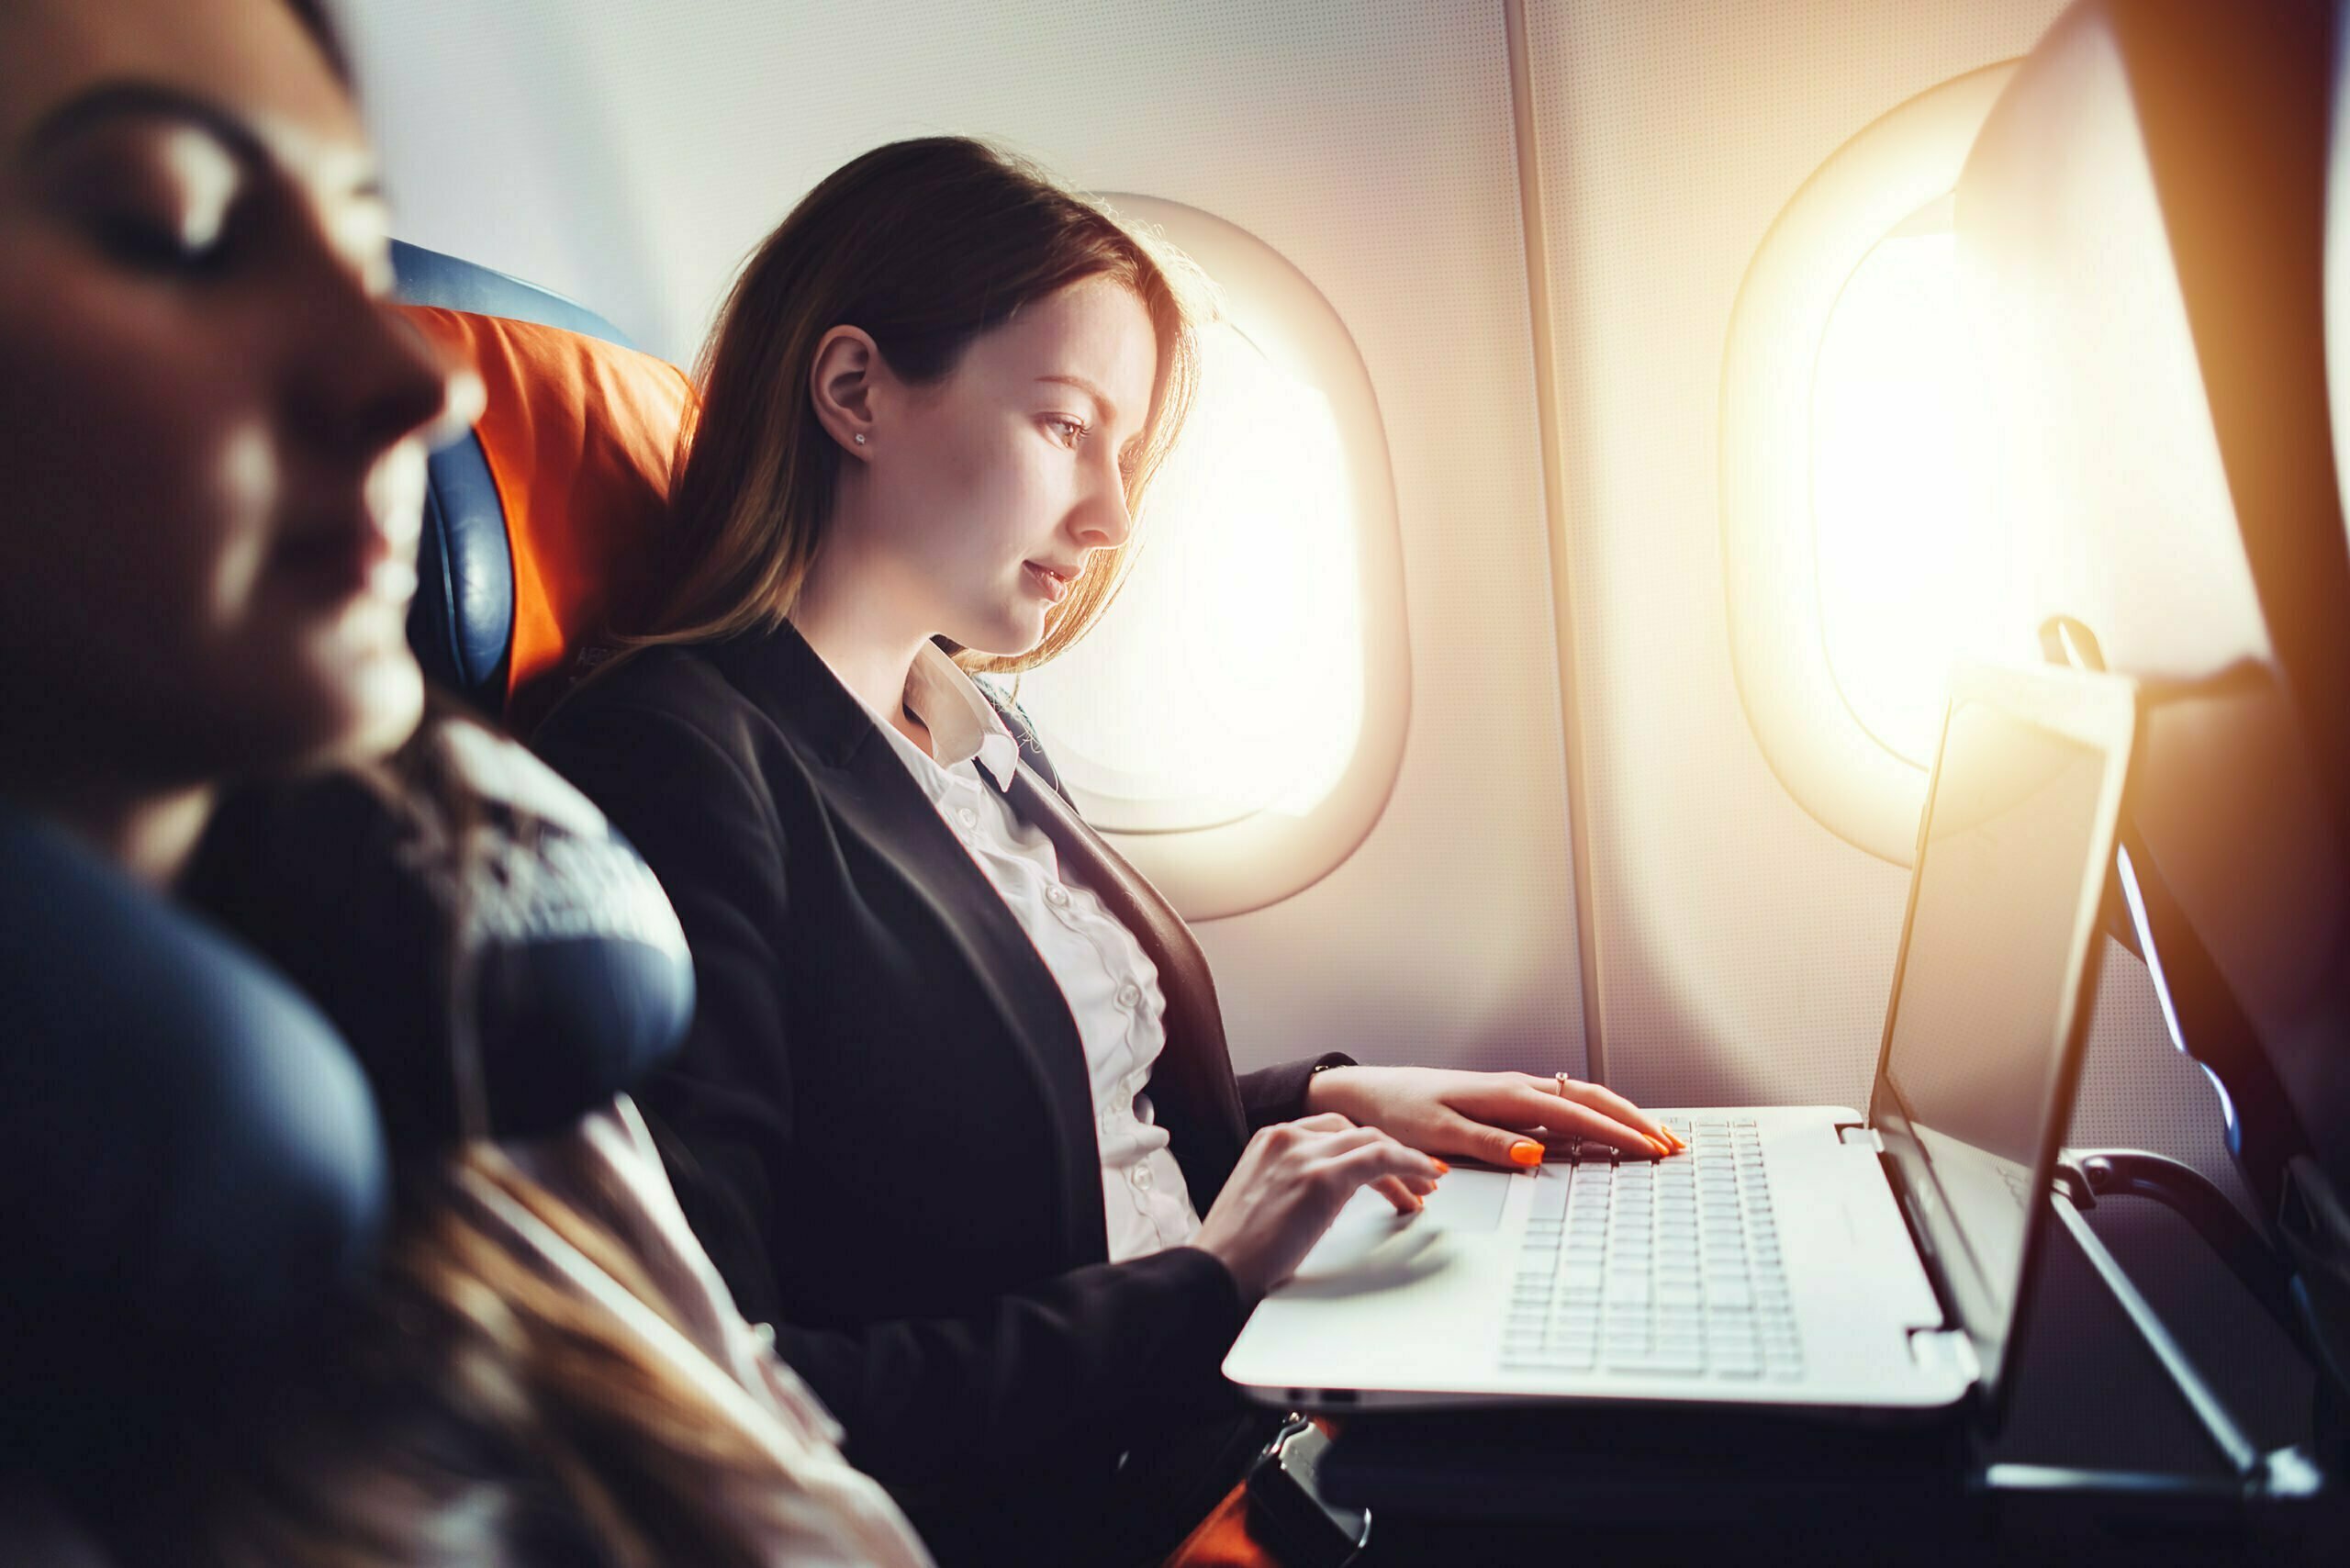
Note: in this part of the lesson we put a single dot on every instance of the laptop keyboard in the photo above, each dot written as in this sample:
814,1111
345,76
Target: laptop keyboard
1657,1268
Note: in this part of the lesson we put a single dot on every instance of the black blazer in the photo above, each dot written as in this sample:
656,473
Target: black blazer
881,1124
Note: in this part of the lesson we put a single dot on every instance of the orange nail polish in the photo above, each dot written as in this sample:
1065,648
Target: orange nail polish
1441,1168
1525,1151
1661,1148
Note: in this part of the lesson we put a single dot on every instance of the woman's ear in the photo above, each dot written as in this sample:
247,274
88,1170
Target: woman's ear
841,382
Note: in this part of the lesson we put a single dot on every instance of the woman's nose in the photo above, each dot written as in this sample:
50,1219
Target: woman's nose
374,379
1106,520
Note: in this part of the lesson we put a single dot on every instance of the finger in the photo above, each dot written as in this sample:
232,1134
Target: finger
1397,1190
1506,1104
1361,1166
1607,1102
1512,1147
1282,1139
1330,1144
1604,1101
1568,1119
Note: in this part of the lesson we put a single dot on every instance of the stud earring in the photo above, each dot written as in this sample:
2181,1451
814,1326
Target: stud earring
860,441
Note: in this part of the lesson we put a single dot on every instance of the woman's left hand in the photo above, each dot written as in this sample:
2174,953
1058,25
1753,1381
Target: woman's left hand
1503,1118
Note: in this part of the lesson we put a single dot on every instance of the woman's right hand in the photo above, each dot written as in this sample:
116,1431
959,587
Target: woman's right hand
1291,1182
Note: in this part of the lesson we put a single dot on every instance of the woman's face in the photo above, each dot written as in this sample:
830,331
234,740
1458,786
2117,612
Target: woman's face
990,489
210,423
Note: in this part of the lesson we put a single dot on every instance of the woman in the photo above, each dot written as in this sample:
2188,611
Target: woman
956,1108
213,429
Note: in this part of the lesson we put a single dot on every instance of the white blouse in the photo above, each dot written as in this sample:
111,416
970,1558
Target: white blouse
1110,983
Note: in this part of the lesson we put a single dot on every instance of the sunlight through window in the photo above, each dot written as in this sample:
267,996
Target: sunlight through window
1910,576
1856,564
1227,679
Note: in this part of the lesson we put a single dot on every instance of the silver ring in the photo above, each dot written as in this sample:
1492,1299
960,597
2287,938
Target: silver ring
1564,1082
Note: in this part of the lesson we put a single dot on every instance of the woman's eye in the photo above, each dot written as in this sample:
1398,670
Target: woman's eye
1068,432
152,245
166,200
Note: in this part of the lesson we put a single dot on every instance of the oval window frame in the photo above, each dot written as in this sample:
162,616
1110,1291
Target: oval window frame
1230,867
1834,766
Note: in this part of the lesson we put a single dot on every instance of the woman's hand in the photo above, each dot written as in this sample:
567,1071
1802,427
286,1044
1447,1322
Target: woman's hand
1291,1182
1503,1118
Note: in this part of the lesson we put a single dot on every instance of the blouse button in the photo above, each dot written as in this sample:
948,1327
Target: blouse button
1130,996
1140,1176
1057,896
967,816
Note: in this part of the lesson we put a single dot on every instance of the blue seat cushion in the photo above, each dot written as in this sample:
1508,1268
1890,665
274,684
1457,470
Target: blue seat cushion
462,622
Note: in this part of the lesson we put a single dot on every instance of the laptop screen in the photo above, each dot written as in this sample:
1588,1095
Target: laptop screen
1995,964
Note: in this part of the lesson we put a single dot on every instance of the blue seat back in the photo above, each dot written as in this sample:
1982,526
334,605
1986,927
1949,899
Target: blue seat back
462,622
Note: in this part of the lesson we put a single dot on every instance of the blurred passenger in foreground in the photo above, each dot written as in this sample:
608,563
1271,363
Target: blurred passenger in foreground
212,431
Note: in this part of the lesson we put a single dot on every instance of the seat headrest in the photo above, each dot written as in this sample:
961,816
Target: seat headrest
2140,232
541,513
194,1165
428,277
2138,244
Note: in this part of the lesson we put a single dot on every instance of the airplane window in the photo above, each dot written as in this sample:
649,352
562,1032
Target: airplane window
1908,573
1854,572
1228,676
1235,719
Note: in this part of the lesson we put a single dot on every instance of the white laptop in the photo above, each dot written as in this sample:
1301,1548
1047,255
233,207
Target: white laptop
1772,1264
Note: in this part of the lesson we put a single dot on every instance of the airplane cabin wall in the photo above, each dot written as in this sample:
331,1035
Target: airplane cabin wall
1745,951
631,155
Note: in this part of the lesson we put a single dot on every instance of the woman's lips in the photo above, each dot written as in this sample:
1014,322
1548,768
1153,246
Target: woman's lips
1051,584
345,562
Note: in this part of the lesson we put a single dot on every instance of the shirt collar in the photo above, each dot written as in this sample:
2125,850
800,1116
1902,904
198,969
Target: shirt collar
963,723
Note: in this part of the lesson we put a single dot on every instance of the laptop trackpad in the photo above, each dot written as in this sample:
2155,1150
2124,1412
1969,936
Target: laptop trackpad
1369,1226
1466,1199
1371,1246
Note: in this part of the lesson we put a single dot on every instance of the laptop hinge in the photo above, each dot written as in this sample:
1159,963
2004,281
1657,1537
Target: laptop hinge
1945,1349
1864,1136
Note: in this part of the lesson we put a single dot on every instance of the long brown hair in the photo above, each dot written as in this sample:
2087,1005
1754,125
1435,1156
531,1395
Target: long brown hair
472,1410
924,244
